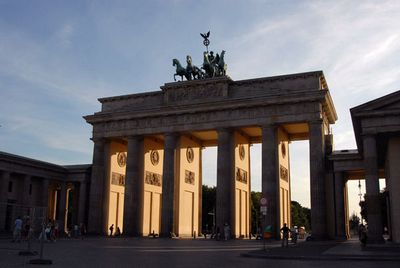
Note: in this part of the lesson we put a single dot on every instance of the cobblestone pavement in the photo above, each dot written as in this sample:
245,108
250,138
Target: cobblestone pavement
135,252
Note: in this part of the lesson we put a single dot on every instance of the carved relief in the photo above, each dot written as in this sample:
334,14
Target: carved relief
190,94
118,179
189,154
242,152
154,157
284,174
121,159
283,150
153,178
189,177
241,175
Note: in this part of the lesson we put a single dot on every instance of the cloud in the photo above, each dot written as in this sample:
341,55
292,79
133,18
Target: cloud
24,59
64,35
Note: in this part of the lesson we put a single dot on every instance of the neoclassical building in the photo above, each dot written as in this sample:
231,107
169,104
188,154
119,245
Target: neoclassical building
146,174
153,143
39,189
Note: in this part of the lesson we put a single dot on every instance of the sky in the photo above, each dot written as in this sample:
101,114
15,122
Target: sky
58,57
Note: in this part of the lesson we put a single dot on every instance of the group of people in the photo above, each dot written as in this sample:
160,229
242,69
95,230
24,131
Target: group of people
286,231
117,231
22,229
77,231
51,231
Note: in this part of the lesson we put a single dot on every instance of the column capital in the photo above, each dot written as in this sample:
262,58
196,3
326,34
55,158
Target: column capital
368,135
273,126
224,129
316,122
98,140
171,134
135,137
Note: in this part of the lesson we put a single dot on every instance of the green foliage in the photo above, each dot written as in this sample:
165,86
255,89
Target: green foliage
301,216
209,196
256,216
354,221
383,197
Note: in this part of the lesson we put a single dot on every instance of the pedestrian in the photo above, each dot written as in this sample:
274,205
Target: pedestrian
27,227
362,235
82,230
118,232
293,234
17,230
48,233
76,231
111,229
227,231
285,235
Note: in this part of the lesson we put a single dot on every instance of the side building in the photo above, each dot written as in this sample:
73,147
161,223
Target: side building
41,190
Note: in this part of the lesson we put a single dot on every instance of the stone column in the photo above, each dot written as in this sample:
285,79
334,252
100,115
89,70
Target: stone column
45,197
340,231
61,206
317,180
224,203
346,211
134,187
375,228
270,178
97,183
26,197
82,202
168,185
393,178
4,180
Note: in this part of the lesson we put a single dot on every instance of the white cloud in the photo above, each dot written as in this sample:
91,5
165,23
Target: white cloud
64,35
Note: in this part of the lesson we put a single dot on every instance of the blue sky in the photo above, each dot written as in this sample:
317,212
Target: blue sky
58,57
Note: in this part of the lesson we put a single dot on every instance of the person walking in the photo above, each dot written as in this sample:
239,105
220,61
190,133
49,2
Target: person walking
227,231
285,235
111,229
82,230
17,230
362,235
293,234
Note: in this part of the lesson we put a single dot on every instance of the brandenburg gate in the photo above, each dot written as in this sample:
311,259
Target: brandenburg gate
147,162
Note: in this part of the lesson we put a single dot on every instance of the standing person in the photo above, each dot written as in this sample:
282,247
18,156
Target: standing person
17,230
27,227
111,229
76,230
117,231
362,234
56,229
227,231
293,234
82,230
285,233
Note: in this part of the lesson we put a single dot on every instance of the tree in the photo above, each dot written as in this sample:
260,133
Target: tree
209,196
383,197
256,216
354,221
301,216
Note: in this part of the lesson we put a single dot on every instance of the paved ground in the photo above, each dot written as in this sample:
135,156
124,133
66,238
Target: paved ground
135,252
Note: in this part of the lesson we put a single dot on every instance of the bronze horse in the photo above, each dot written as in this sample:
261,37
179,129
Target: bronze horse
221,64
180,71
193,70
